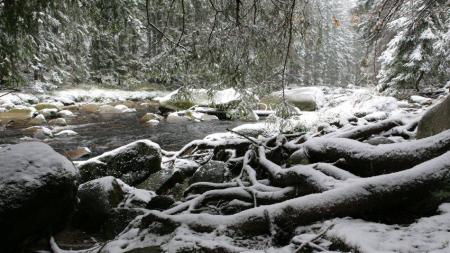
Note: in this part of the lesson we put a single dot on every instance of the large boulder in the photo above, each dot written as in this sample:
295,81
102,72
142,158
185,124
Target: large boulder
436,120
37,193
305,98
132,163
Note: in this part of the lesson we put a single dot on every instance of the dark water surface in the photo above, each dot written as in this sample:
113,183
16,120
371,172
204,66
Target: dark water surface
101,133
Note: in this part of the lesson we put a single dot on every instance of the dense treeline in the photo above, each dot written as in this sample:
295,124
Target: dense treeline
216,43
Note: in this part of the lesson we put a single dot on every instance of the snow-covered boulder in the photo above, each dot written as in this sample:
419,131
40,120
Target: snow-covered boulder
107,204
305,98
65,114
252,130
376,116
124,108
37,193
108,109
435,120
58,122
212,171
132,163
38,120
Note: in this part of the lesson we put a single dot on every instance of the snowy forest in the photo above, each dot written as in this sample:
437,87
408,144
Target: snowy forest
224,126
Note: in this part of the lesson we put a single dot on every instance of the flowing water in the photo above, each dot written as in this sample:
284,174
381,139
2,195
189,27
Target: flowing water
101,133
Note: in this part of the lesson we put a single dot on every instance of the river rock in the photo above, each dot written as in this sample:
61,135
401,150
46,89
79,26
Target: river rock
37,193
58,122
66,133
435,120
89,108
97,198
65,114
305,98
38,132
78,153
42,106
152,122
18,115
213,171
124,109
38,120
174,117
108,109
49,113
132,163
151,116
207,117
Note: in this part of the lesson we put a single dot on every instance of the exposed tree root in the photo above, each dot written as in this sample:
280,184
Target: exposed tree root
364,196
368,160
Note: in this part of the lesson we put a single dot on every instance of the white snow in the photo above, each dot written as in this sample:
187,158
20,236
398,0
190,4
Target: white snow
431,234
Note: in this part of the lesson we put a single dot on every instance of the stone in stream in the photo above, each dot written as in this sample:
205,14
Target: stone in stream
37,193
38,120
18,115
132,163
58,122
435,120
151,116
38,132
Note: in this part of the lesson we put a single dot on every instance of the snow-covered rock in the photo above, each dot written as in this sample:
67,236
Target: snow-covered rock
174,117
207,117
49,112
305,98
38,120
435,120
107,204
108,109
38,132
89,107
54,105
375,116
37,193
132,163
152,122
58,122
65,114
124,108
420,100
66,133
151,116
212,171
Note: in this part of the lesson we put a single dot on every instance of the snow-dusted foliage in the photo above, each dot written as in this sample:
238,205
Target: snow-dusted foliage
411,39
